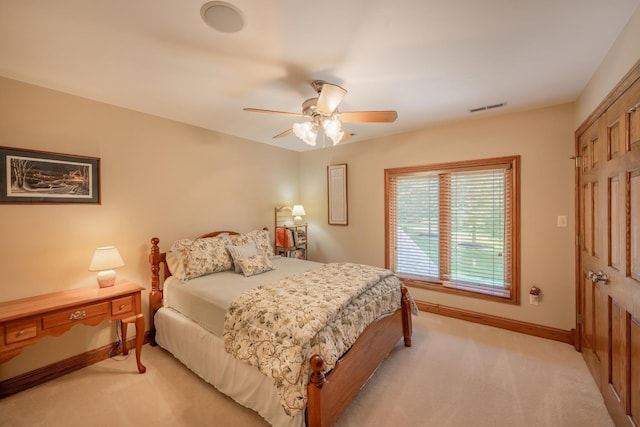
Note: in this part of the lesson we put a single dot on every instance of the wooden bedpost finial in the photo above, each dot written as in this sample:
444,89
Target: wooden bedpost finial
317,377
155,268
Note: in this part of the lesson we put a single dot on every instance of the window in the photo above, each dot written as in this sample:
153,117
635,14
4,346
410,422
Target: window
454,227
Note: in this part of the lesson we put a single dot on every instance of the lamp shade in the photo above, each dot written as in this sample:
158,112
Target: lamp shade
298,210
333,129
306,131
104,260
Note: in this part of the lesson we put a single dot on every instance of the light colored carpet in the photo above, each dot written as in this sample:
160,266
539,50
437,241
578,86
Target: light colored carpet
456,374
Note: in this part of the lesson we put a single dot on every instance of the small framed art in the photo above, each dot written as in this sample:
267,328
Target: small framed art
337,189
30,176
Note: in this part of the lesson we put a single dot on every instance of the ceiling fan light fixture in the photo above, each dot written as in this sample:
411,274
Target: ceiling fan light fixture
333,129
307,131
322,111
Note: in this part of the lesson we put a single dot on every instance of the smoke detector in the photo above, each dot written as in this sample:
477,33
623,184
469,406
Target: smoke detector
222,16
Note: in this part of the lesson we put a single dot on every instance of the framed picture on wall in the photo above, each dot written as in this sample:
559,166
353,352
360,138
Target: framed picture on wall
30,176
337,189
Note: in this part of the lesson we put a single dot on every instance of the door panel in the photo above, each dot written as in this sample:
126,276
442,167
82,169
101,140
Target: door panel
588,219
618,352
635,372
615,237
615,140
595,153
634,129
596,222
634,226
608,208
588,303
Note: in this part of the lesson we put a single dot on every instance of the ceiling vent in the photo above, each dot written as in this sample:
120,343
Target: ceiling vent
488,107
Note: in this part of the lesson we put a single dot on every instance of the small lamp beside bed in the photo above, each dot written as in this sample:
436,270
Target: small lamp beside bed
104,260
297,212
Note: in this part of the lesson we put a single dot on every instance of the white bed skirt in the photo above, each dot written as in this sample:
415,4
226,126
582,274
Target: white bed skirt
204,354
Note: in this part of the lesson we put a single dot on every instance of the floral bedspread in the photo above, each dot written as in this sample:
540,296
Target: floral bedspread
279,326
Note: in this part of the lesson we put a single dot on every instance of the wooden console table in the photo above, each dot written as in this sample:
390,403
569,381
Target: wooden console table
24,321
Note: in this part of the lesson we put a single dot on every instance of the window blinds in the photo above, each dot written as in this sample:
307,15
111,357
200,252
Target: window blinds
453,227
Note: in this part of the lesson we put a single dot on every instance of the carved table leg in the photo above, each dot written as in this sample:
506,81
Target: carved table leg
123,334
139,321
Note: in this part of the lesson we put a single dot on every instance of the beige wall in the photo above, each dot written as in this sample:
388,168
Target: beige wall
159,178
624,53
544,140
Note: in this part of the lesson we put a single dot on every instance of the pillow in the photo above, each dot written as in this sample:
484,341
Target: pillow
255,264
174,264
201,256
243,251
260,237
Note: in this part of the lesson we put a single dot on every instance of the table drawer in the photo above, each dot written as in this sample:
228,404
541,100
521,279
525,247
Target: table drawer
74,315
20,331
122,306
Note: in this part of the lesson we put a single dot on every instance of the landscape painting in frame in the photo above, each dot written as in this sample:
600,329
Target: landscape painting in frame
29,176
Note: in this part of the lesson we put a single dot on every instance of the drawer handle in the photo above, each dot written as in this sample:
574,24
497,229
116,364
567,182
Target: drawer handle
20,333
79,314
122,306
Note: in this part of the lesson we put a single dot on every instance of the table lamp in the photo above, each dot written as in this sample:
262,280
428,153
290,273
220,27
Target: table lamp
297,212
104,260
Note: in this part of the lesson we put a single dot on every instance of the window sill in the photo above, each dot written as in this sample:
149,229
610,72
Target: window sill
501,296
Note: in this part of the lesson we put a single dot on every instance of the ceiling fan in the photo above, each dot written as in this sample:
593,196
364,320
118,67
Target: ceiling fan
322,112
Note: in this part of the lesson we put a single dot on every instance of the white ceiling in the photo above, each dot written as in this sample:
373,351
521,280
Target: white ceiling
431,60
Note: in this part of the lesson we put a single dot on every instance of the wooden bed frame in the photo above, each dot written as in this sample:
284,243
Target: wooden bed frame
328,395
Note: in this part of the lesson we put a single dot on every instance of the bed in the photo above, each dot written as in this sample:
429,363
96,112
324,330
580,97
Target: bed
211,341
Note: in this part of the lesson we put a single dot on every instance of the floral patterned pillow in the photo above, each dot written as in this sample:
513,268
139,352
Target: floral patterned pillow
242,251
201,256
255,265
261,237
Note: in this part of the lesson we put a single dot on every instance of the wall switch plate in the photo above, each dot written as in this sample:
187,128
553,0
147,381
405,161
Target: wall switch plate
562,221
534,299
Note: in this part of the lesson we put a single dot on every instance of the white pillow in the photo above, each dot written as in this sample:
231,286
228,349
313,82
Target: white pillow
174,264
260,237
242,251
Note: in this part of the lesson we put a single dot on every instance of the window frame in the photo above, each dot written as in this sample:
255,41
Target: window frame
513,244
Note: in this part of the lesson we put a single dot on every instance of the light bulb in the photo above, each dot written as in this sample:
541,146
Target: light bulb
333,129
306,131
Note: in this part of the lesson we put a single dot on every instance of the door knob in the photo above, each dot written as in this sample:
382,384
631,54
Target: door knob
598,277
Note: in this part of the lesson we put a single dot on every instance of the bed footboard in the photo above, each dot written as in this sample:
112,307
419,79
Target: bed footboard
329,395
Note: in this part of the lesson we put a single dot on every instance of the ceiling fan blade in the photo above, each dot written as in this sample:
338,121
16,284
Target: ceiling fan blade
368,116
283,134
330,97
259,110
